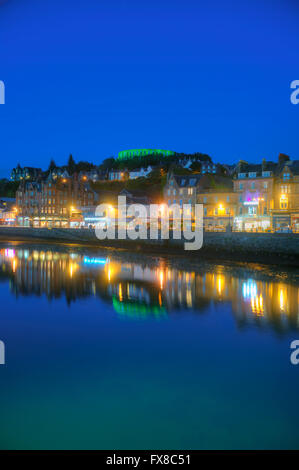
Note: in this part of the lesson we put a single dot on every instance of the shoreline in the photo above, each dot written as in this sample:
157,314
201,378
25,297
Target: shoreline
217,247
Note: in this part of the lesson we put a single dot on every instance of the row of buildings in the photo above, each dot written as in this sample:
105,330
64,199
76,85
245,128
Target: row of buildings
247,197
257,197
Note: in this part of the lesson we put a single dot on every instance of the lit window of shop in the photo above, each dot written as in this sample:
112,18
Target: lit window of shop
284,202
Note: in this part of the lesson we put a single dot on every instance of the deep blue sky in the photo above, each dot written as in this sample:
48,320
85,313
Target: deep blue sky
93,77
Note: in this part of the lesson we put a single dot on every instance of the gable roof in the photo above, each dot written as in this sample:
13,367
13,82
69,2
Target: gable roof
184,181
292,165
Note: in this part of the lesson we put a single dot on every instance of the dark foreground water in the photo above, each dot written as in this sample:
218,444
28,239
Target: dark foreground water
111,351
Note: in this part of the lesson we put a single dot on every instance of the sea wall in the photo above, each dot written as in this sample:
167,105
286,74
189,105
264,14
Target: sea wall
237,245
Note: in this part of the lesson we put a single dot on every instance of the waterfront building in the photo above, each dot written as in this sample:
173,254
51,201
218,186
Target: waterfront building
254,186
285,213
181,189
8,211
53,202
219,202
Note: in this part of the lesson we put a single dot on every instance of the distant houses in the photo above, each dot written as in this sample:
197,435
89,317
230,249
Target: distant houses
26,173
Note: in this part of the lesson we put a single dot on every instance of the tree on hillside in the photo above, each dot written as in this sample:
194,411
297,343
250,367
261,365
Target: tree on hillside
71,165
108,163
84,166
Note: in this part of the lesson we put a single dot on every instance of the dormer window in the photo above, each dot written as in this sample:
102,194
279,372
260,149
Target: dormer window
241,175
252,174
266,174
286,176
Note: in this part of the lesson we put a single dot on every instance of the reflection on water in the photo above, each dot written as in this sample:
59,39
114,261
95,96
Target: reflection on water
139,290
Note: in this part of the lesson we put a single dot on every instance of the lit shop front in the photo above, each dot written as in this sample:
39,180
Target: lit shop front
295,222
281,221
250,218
49,222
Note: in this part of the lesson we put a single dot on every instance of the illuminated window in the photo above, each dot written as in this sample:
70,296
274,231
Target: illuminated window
284,189
284,202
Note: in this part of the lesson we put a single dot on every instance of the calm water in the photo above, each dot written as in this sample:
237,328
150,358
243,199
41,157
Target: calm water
107,350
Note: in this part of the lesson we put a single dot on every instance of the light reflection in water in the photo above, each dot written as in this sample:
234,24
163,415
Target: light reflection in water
138,290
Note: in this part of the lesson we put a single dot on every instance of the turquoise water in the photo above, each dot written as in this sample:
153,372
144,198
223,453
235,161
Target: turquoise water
112,351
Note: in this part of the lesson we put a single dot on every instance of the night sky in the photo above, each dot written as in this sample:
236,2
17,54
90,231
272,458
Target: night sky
94,77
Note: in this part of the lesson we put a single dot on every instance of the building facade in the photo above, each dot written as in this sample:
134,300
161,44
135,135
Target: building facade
219,208
26,173
254,186
53,202
285,212
181,189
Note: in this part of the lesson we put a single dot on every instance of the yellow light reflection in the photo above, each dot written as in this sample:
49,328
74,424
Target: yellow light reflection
282,299
257,305
161,277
